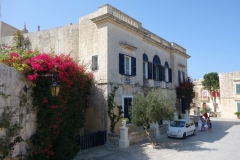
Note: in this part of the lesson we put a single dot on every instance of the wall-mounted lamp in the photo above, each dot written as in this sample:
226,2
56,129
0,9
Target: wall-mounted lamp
25,88
55,88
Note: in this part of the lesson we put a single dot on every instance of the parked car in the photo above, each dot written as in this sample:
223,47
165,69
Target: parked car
181,128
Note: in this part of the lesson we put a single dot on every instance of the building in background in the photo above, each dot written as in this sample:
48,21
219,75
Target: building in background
120,52
227,99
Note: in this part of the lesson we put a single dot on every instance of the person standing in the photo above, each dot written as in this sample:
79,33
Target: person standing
209,123
200,124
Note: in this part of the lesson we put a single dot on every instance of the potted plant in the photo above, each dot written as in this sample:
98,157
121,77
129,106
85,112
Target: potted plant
238,114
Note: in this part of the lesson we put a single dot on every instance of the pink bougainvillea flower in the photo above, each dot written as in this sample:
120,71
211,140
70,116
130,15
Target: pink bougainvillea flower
55,126
53,107
32,77
44,100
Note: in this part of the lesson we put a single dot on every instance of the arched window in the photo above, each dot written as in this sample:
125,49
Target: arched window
157,68
145,66
167,74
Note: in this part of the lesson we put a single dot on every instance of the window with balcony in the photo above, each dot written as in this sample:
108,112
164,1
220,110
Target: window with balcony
127,65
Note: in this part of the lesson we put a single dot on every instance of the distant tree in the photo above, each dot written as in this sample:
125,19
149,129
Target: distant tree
151,107
211,84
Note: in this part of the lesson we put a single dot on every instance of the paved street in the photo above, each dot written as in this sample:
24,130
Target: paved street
222,143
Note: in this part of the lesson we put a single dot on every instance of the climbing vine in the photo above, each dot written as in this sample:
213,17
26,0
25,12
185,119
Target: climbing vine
111,106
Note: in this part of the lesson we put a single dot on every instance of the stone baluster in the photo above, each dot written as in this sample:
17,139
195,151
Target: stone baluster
124,141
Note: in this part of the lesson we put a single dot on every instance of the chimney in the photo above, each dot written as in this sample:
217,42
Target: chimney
38,28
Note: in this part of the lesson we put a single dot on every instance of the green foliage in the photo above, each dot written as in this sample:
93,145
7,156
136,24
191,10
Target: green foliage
211,81
6,143
237,113
152,107
185,90
127,120
58,118
111,105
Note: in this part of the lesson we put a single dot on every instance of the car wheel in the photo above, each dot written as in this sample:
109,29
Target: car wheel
194,132
184,136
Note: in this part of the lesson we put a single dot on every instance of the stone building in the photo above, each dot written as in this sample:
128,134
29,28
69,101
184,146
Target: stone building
227,99
119,51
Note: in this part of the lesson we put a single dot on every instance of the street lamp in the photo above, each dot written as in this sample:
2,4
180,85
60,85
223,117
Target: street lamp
55,87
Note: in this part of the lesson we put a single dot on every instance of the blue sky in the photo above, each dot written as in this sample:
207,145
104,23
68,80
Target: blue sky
208,29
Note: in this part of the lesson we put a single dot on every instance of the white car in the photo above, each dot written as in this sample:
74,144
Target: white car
181,128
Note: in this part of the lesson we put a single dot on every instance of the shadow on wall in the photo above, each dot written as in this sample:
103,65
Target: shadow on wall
96,114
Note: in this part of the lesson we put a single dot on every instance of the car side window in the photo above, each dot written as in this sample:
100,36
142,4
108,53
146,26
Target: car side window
187,124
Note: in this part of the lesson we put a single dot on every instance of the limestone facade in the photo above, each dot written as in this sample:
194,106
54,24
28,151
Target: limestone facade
229,98
203,96
119,51
16,106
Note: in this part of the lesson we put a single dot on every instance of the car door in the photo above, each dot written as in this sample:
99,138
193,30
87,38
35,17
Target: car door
188,128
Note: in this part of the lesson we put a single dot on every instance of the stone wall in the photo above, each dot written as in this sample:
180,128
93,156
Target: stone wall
228,95
6,30
18,105
61,40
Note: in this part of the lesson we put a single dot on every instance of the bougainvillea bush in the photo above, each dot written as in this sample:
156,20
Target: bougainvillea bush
58,118
185,89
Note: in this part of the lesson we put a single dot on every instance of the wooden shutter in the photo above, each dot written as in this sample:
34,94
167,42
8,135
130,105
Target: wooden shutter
170,74
133,66
183,76
154,71
121,63
179,77
163,73
150,70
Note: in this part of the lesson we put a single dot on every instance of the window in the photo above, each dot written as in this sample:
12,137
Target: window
181,77
94,63
157,68
145,70
204,94
167,73
237,88
238,106
127,101
127,65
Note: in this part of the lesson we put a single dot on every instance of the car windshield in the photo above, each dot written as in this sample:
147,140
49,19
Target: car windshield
178,124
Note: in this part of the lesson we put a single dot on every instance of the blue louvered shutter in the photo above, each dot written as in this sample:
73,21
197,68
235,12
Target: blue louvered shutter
133,66
179,77
121,63
183,76
150,70
154,72
170,74
163,73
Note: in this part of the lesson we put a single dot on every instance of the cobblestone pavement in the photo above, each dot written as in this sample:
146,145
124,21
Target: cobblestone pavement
222,143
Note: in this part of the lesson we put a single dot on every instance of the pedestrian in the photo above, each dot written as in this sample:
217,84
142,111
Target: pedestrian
203,123
200,124
209,123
